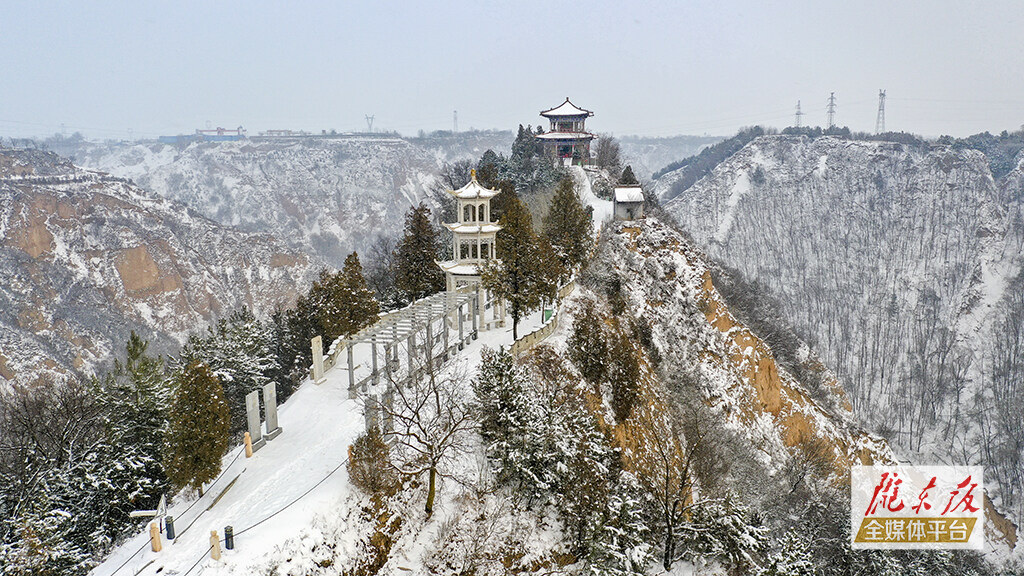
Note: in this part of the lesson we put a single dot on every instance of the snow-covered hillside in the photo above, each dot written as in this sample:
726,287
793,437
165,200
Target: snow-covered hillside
327,196
86,258
294,511
891,260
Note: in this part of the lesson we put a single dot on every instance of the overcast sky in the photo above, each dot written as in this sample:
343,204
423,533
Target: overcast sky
648,68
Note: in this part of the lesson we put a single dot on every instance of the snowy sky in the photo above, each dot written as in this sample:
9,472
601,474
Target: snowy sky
648,68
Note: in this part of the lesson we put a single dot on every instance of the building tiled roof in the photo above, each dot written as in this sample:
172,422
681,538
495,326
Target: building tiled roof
566,109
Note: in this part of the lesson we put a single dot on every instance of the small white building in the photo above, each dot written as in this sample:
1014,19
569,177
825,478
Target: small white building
628,203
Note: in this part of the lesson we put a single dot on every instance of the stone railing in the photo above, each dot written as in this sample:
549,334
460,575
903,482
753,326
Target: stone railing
533,338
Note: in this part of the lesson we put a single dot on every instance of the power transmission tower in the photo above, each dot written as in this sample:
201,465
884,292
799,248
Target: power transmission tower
369,123
455,121
832,110
880,123
799,114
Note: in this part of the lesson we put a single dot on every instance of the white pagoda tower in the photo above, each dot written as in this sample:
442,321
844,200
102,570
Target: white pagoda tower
472,245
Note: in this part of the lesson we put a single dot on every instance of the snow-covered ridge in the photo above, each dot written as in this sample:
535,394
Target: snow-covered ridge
892,260
325,196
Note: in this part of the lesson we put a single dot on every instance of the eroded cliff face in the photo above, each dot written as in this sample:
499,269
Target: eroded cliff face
87,258
324,196
899,265
669,285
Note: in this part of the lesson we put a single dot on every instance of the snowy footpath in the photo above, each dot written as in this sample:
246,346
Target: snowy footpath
603,209
273,496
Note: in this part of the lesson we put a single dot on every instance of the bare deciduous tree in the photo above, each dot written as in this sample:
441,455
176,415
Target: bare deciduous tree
429,417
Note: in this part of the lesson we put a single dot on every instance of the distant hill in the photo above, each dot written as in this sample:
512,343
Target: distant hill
85,258
325,196
902,266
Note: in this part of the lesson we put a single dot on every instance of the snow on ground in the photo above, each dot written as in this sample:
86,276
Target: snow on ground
281,491
603,209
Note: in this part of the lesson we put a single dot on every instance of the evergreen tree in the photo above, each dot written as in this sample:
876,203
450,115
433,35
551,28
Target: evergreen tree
126,472
569,225
238,353
416,273
488,169
624,376
588,347
628,178
197,436
511,427
350,304
518,277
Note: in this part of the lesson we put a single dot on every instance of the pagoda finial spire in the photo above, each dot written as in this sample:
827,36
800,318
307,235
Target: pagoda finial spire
472,174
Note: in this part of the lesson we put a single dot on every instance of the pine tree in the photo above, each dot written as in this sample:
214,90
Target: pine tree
416,273
624,376
588,347
238,352
197,436
569,225
511,426
628,178
350,305
518,276
126,472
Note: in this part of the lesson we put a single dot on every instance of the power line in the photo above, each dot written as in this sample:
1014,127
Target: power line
832,110
799,114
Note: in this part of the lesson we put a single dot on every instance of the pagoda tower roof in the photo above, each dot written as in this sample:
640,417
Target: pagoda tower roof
566,108
474,190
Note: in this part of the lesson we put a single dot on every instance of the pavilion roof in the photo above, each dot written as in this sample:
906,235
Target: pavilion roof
473,190
566,108
566,136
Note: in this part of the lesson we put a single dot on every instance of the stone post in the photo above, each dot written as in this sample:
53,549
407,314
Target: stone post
351,372
270,406
318,359
154,537
252,411
374,376
214,545
462,335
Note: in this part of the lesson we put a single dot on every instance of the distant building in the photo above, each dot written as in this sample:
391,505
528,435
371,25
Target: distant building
221,134
628,203
567,141
473,238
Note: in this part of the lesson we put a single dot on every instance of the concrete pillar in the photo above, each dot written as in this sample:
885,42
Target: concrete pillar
481,300
351,372
388,400
252,412
374,377
318,359
429,352
474,309
370,412
444,326
462,336
412,352
270,408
